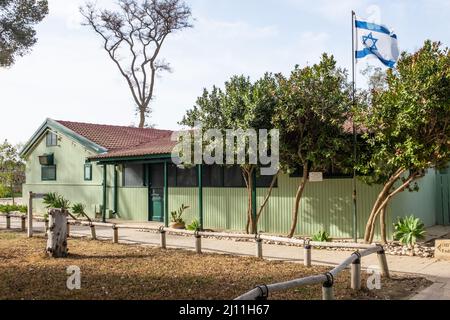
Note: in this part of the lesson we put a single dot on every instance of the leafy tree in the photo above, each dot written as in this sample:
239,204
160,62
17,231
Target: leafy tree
133,36
408,127
12,168
312,110
242,105
17,21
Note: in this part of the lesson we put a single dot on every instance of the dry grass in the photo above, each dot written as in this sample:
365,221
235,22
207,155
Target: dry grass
137,272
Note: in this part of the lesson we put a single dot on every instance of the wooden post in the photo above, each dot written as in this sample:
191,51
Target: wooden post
23,223
115,234
68,229
163,239
30,215
198,244
356,275
8,221
382,262
57,235
307,255
259,248
93,233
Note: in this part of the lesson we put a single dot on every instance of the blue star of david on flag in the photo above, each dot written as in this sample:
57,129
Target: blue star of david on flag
370,42
373,40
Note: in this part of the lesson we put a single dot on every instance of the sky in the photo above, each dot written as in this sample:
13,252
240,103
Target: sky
68,75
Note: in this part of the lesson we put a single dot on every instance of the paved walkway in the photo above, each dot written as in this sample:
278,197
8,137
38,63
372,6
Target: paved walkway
434,270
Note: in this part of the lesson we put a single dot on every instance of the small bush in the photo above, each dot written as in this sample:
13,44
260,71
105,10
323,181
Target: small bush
78,209
194,226
321,236
408,230
54,200
8,208
177,215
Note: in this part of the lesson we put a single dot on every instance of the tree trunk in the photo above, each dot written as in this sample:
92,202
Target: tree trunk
250,192
381,197
57,234
266,199
377,211
383,225
12,195
141,117
385,201
298,197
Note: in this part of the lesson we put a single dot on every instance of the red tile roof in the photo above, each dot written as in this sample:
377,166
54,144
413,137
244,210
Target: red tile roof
122,141
159,146
114,137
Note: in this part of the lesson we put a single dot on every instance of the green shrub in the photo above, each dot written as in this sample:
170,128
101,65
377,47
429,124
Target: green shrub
5,192
78,209
321,236
7,208
194,226
408,230
177,215
54,200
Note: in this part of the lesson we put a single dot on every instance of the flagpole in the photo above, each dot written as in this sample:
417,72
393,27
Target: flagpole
355,138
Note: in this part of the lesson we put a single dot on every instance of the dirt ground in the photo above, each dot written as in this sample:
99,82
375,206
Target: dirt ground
131,272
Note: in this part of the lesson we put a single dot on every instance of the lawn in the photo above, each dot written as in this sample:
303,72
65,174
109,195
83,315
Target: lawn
110,271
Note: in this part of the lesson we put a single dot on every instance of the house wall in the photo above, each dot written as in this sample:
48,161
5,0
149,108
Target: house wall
325,206
70,158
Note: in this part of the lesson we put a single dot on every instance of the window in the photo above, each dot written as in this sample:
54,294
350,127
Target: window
51,139
157,175
88,172
48,173
265,182
232,177
212,176
187,177
133,175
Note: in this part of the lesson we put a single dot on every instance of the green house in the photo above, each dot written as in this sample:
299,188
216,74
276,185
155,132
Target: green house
127,173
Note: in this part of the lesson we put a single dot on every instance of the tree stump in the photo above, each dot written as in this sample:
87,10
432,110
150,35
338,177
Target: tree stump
57,233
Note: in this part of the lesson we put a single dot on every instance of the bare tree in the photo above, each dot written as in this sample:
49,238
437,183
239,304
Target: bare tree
133,37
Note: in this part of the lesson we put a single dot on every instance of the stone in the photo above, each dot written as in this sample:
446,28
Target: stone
442,250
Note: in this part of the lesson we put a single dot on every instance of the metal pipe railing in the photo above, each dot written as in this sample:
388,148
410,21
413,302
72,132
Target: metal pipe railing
327,278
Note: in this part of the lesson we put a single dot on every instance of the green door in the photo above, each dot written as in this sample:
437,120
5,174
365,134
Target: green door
156,191
156,204
443,197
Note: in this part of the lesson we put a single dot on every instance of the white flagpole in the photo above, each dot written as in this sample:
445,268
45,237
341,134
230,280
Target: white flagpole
355,138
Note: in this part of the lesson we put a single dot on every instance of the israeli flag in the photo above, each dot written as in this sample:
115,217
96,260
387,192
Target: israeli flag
374,40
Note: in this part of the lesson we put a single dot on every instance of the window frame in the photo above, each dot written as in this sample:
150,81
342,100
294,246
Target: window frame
87,165
53,142
46,178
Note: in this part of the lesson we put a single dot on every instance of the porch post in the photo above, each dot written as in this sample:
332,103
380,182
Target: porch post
116,198
200,194
166,194
104,194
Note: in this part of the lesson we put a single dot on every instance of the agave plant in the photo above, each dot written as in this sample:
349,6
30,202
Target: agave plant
321,236
194,226
408,230
78,209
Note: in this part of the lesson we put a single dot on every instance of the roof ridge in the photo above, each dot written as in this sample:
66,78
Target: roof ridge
111,125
